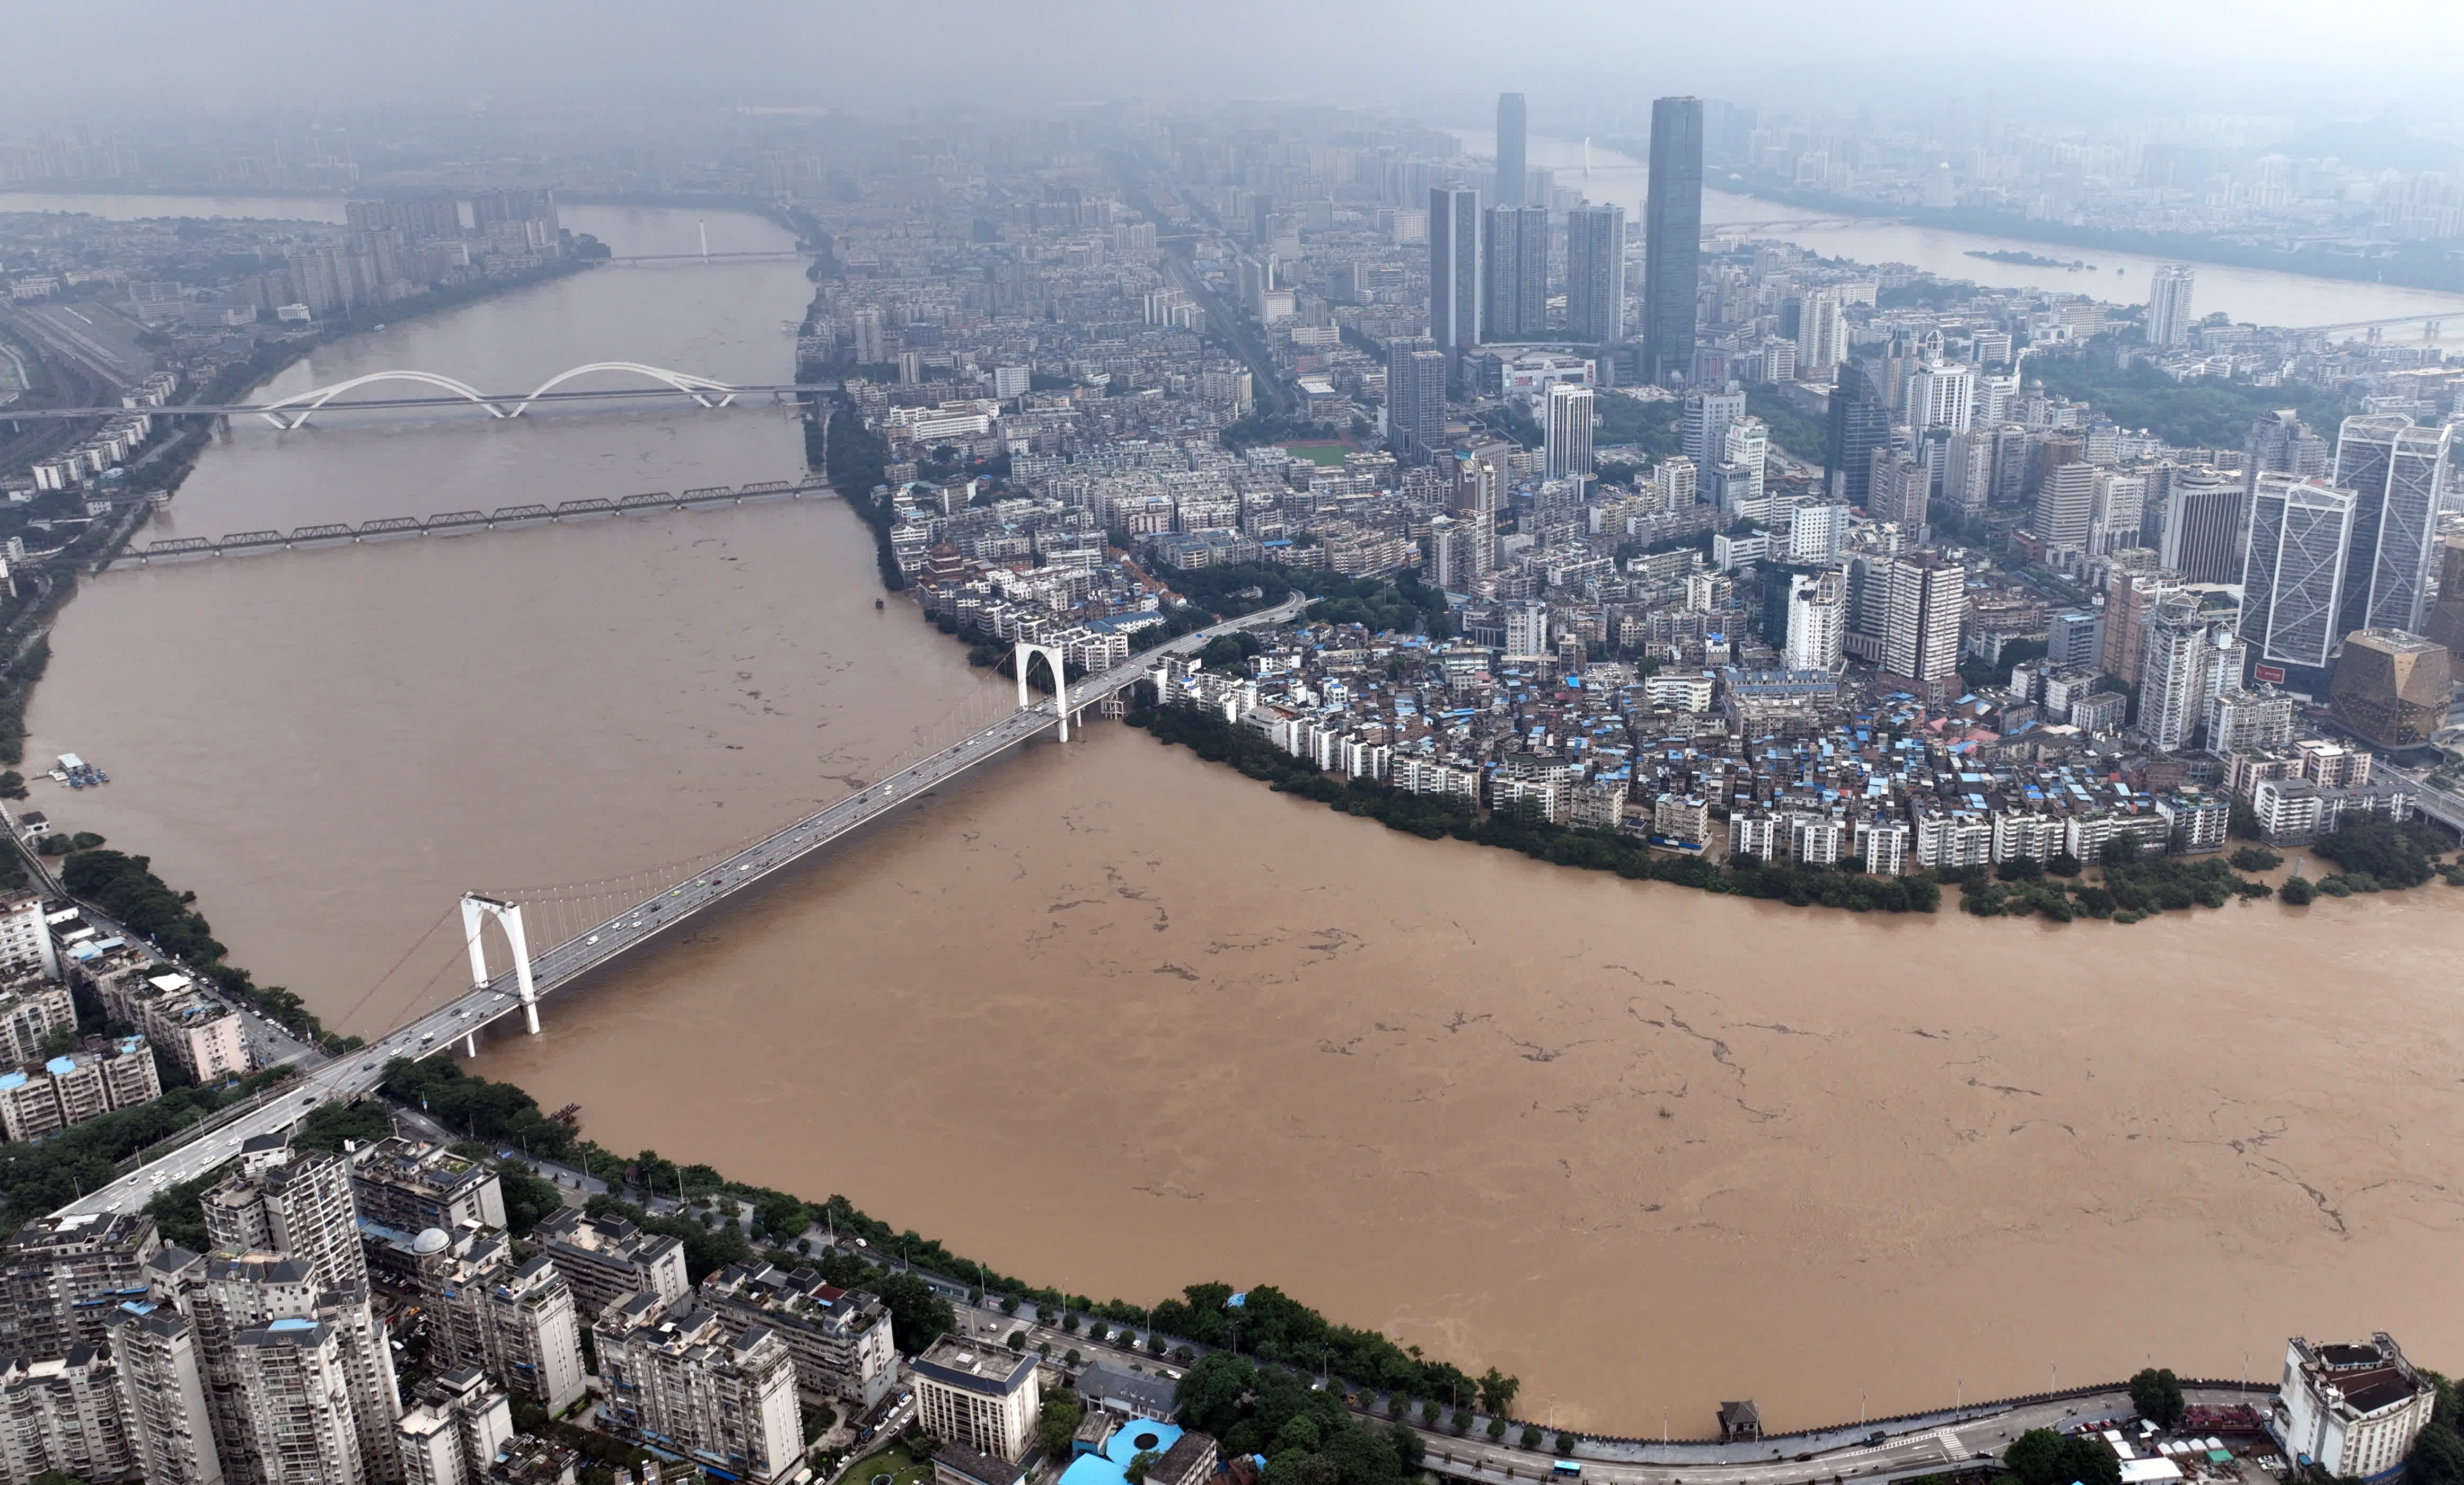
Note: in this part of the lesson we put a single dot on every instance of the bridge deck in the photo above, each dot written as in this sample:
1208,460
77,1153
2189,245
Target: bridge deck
358,1073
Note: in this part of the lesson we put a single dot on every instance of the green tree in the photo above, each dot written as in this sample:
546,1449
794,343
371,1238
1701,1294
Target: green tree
1431,1412
1059,1422
1565,1444
1497,1391
1461,1421
2297,893
1408,1445
2157,1393
1496,1429
2256,858
1139,1464
2041,1457
1531,1435
1208,1396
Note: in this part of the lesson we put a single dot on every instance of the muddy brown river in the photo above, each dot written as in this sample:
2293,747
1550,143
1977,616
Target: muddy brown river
1120,1021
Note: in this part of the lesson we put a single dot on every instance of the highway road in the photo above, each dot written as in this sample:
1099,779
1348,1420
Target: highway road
464,1018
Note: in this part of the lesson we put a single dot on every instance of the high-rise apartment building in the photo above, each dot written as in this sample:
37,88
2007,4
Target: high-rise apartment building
1704,434
608,1258
59,1276
1745,449
673,1373
1478,492
409,1186
163,1384
452,1433
2065,512
2294,580
1818,533
297,1382
1454,267
1515,303
1416,394
2398,475
986,1399
1940,395
1817,622
512,1319
2168,304
1595,275
1568,429
840,1339
1897,489
1821,336
64,1417
2190,660
297,1205
1968,472
2283,444
2117,511
1511,171
2205,514
1672,238
1928,600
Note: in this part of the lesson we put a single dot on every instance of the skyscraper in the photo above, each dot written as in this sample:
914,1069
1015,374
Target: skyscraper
2444,625
1512,172
1479,488
1861,422
2398,474
1940,395
1515,306
2065,499
1569,429
1704,437
162,1383
1416,394
2293,580
300,1206
2204,513
1454,267
2168,304
1595,275
2188,660
1927,599
1672,237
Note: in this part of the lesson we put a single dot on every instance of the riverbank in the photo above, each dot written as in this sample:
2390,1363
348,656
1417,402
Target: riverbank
2414,267
2126,889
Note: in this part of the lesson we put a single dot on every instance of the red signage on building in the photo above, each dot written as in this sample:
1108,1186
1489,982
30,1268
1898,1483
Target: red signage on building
2273,675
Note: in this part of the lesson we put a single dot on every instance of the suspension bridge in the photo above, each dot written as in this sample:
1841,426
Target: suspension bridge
449,523
294,411
599,936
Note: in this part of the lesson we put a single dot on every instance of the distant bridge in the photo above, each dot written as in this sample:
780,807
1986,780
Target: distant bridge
2428,322
294,411
452,522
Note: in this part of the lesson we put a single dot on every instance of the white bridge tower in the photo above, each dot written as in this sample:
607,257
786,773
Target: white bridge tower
476,911
1052,654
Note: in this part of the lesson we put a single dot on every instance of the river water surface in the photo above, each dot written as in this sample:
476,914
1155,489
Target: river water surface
1120,1021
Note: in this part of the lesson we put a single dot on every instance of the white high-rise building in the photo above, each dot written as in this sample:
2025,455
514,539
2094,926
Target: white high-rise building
2188,660
2398,475
1709,412
1817,622
1926,600
2353,1409
987,1399
2119,509
1569,427
1821,336
296,1379
162,1385
514,1320
673,1373
297,1205
1940,395
64,1417
2168,304
1746,445
1817,534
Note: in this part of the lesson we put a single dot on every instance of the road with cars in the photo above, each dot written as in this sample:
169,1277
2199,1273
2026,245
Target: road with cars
462,1019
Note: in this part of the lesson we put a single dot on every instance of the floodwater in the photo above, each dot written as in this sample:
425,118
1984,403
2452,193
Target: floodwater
2259,296
1121,1021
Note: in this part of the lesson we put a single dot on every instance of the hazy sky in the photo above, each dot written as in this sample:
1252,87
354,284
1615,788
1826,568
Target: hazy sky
1437,57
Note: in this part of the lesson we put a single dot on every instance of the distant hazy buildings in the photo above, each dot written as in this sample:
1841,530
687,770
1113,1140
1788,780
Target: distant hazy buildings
2168,304
1672,242
1511,171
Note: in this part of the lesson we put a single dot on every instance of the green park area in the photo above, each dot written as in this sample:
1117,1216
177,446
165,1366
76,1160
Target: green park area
898,1463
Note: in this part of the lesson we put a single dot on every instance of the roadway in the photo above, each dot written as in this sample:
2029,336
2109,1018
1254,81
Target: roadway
358,1074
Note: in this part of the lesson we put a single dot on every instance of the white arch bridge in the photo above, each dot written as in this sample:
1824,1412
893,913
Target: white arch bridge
294,411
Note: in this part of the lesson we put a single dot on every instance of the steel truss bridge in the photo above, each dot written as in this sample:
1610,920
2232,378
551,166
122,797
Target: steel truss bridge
294,411
519,990
454,522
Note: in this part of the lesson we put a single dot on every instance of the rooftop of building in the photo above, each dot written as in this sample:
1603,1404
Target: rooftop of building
977,1369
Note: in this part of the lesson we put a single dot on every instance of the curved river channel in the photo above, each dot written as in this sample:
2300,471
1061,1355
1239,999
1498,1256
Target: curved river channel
1121,1021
